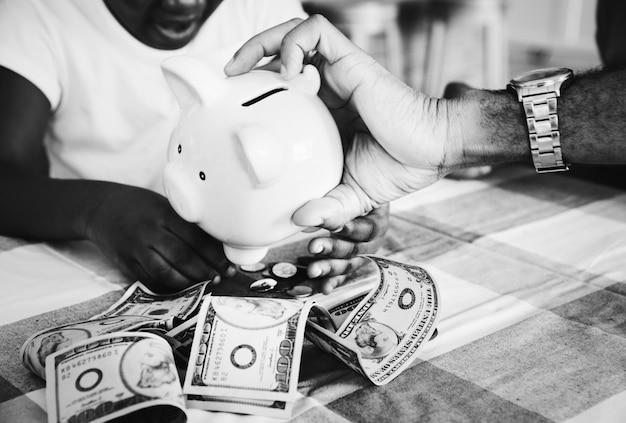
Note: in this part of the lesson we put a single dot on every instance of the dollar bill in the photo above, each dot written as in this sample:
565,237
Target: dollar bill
138,300
332,344
247,348
382,334
269,408
112,375
43,343
181,338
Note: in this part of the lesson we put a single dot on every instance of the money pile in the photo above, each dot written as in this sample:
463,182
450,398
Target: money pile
192,349
245,355
138,309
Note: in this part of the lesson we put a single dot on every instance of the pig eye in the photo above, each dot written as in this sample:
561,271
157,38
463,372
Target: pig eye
202,176
180,148
263,96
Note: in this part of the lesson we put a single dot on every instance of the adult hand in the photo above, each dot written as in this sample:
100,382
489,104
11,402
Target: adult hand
404,144
140,232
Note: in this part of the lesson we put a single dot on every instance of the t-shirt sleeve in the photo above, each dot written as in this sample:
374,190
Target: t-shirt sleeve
27,46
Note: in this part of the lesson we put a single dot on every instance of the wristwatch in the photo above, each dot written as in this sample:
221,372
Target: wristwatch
538,91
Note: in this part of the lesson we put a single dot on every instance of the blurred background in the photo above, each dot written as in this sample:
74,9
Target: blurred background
483,43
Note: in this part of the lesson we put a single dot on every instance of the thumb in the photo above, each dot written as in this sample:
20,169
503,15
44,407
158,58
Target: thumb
334,210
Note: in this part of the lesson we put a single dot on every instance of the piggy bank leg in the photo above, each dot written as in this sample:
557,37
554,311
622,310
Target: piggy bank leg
244,256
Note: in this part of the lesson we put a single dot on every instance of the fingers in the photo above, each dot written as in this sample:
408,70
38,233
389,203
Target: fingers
264,44
340,251
171,265
314,34
359,236
294,40
328,274
178,254
187,261
333,247
329,284
156,273
366,228
197,251
332,212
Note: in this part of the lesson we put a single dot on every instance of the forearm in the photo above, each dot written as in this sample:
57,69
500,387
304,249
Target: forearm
492,128
41,208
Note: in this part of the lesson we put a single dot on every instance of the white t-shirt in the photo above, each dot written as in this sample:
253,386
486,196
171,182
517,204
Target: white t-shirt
113,112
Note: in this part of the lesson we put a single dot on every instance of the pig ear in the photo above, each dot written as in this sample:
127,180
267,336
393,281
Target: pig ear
309,80
192,81
266,155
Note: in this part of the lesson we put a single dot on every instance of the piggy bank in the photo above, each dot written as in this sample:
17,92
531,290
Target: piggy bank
247,152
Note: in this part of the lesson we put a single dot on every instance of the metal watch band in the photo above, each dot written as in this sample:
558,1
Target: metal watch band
543,130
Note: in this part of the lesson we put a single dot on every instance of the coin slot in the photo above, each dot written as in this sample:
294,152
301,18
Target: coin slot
263,96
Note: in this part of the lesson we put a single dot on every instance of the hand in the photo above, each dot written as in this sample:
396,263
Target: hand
140,232
399,144
336,255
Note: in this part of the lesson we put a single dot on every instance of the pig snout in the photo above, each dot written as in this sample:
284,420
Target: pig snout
179,191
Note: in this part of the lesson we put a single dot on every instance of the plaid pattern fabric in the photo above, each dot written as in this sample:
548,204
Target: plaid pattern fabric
533,320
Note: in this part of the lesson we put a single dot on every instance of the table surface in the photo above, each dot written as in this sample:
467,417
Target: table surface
533,315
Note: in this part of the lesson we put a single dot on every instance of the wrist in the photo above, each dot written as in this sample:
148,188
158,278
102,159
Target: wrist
538,92
488,129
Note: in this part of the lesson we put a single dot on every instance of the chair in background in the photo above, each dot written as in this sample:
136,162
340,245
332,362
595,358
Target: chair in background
426,42
370,24
455,40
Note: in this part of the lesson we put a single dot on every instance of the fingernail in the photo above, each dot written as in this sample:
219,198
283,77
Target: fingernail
315,272
310,229
339,229
283,71
231,271
316,248
230,62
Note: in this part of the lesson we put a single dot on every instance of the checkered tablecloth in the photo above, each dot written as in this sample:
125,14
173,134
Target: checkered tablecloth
532,272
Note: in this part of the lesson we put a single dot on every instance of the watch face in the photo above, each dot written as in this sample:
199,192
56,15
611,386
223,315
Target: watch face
543,75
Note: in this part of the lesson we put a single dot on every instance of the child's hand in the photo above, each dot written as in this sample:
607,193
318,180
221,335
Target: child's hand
337,253
140,232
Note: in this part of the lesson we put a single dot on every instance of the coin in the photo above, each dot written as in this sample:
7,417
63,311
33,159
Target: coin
251,268
284,270
263,285
300,291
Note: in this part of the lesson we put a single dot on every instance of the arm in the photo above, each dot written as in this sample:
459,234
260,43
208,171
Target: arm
591,122
134,227
412,140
